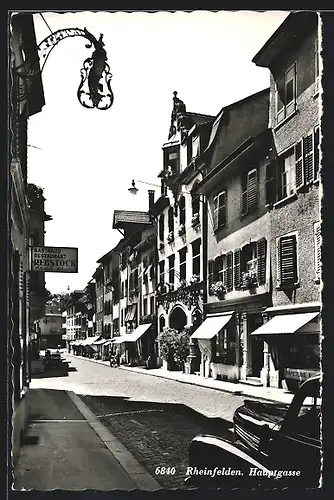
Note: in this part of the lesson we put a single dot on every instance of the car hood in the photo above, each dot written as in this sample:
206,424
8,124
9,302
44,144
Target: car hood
258,412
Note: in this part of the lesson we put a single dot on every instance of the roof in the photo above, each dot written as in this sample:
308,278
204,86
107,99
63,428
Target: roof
98,271
199,119
116,249
293,28
130,217
224,109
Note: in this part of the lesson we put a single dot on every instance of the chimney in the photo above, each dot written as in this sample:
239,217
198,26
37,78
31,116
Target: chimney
150,200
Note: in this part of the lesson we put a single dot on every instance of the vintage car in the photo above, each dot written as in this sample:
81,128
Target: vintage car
279,437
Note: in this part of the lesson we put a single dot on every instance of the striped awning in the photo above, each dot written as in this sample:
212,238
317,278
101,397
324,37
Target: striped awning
90,340
286,324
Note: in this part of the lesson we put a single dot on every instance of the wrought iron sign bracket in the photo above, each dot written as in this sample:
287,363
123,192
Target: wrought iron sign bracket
94,90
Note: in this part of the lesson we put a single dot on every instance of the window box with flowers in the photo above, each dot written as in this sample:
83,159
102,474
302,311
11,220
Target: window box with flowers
218,289
182,230
195,278
249,280
195,220
133,292
170,237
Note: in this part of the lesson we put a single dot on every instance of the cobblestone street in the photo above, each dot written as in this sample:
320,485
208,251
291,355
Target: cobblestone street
154,418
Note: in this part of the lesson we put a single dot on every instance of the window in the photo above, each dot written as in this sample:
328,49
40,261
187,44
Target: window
196,248
195,206
122,290
183,263
195,146
161,227
288,174
170,219
171,160
316,65
162,323
316,153
182,215
317,249
171,265
145,307
219,211
162,271
122,317
287,260
223,270
249,193
250,259
152,304
286,94
210,273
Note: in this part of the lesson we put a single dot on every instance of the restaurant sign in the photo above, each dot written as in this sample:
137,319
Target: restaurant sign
299,373
54,259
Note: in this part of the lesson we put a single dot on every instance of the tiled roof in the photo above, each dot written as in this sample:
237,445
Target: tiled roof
116,249
130,217
200,119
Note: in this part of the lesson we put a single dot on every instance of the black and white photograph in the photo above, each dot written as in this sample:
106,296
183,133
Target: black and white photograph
165,250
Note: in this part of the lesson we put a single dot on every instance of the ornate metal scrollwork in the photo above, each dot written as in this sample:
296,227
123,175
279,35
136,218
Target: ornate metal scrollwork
94,90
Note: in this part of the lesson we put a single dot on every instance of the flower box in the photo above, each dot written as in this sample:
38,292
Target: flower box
249,279
194,279
218,289
170,237
195,220
181,230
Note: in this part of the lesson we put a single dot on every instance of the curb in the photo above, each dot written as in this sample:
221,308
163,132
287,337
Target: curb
140,477
235,392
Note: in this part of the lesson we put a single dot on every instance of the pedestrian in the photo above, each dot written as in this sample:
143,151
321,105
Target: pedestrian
118,355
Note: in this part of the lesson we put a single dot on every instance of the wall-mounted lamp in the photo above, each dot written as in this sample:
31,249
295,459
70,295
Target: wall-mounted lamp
134,190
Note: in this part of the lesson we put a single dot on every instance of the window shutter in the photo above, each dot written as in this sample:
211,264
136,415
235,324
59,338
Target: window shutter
251,190
270,183
215,213
316,154
288,260
210,273
229,262
222,209
317,246
261,246
237,269
299,164
308,158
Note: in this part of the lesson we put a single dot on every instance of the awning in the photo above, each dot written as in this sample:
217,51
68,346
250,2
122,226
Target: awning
212,326
90,340
77,342
137,333
285,324
101,341
119,340
131,313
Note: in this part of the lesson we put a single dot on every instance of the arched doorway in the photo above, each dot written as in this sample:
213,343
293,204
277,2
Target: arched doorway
178,319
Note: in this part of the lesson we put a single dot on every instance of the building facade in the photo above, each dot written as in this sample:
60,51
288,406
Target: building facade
238,236
292,353
26,99
179,216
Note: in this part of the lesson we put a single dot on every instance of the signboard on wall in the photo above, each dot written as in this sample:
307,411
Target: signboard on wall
54,259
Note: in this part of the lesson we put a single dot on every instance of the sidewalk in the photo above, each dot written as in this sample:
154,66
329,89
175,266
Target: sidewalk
67,448
270,394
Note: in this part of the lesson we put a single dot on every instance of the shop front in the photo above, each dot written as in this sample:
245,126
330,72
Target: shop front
217,341
134,346
292,346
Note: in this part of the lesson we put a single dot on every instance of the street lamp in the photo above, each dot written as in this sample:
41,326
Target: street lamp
134,190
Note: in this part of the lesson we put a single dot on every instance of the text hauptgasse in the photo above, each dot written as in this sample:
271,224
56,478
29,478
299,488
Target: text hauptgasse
225,471
254,471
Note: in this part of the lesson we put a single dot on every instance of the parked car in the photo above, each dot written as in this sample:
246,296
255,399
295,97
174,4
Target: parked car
280,438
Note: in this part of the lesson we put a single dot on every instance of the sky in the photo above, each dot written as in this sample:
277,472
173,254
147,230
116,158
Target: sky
85,159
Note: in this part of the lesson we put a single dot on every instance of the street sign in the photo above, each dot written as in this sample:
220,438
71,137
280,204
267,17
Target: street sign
54,259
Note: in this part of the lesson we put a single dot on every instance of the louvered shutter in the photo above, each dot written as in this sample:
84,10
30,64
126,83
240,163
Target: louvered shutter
299,164
210,273
261,246
215,213
270,183
317,244
229,265
308,158
237,269
251,190
222,209
316,154
288,260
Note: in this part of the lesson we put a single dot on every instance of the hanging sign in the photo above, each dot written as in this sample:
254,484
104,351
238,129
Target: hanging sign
54,259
